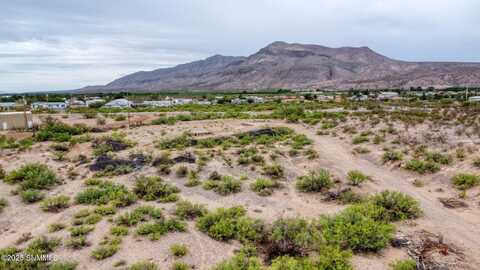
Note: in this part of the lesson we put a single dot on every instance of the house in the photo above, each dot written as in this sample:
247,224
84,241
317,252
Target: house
89,102
49,105
474,99
118,104
387,95
324,98
15,120
203,102
76,103
8,105
158,103
239,101
182,101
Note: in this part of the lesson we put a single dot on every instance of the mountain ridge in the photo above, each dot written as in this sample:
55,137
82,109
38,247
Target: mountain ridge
298,66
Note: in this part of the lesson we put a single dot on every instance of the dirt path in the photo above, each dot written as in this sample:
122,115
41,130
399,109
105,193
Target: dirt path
455,228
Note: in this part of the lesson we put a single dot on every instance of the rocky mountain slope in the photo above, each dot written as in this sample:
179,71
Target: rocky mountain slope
298,66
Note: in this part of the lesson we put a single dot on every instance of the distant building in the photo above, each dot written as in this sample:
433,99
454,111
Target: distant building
387,95
8,105
203,102
89,102
359,98
474,99
49,105
239,101
324,98
15,120
158,103
182,101
120,103
76,103
255,99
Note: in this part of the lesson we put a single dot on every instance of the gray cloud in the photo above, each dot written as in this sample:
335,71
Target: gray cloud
67,44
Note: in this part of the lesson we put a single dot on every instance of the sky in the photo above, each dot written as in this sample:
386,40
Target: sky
68,44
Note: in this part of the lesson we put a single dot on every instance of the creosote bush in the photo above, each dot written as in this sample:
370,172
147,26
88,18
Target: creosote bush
356,177
154,188
264,187
407,264
230,223
139,214
398,206
3,204
315,181
391,155
464,181
101,192
154,230
178,250
225,186
32,176
143,265
55,204
188,210
421,166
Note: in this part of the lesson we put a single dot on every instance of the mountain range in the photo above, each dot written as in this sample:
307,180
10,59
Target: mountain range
299,66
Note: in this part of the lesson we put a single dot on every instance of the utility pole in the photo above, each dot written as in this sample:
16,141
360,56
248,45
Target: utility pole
25,118
466,94
128,111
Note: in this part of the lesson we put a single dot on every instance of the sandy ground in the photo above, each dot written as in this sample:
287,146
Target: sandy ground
461,227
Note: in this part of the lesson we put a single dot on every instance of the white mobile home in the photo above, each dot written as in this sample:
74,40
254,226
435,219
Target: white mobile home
49,105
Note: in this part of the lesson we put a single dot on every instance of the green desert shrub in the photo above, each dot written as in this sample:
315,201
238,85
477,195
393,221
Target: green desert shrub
476,163
119,230
264,187
360,139
230,223
356,177
139,214
299,141
154,230
43,245
437,157
3,204
330,258
154,188
294,236
31,195
57,131
178,250
78,242
55,227
80,230
243,260
225,186
32,176
105,251
180,266
315,181
188,210
391,155
55,204
63,266
398,206
356,230
464,181
104,192
421,166
274,171
143,265
407,264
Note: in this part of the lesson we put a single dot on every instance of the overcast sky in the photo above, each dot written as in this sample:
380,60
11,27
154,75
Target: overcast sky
68,44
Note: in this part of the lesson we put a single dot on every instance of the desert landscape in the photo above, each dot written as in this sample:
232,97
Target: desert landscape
288,189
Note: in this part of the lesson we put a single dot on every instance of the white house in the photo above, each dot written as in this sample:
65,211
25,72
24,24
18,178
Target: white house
8,105
158,103
474,99
203,102
359,98
93,101
49,105
239,101
118,104
182,101
387,95
76,103
324,98
255,99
